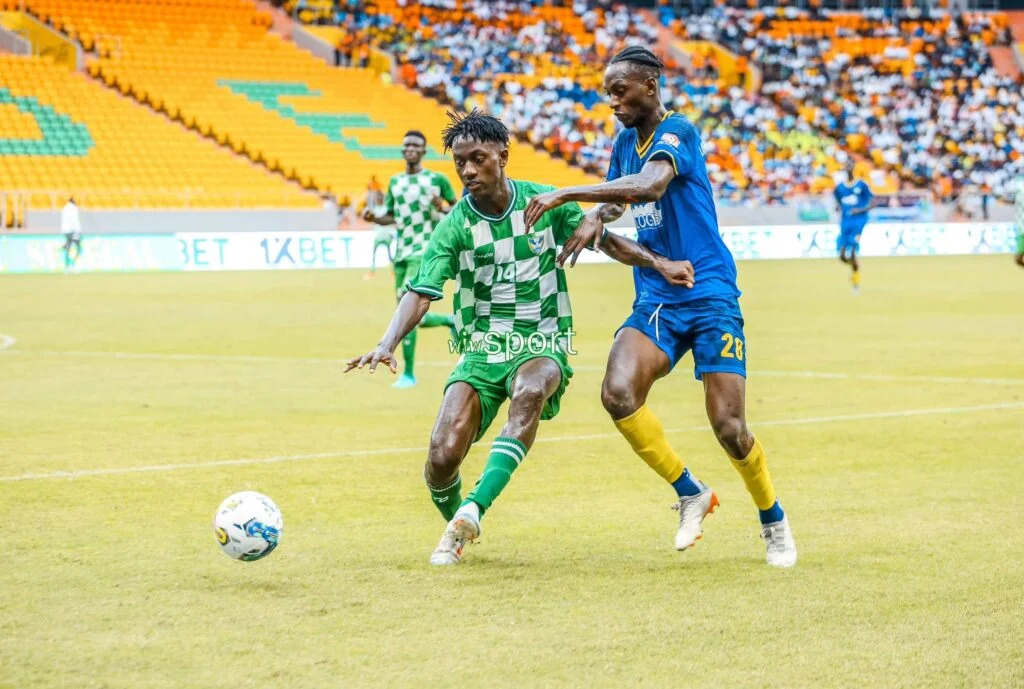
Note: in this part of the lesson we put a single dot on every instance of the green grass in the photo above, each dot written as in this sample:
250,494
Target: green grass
908,526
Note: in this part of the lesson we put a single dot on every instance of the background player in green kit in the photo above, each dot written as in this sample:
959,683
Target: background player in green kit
514,319
414,203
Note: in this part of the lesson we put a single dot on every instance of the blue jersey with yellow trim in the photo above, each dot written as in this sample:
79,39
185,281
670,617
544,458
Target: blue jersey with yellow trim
682,224
851,197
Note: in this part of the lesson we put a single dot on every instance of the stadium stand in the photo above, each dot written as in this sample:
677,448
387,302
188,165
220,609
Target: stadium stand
541,72
62,134
783,97
915,94
213,65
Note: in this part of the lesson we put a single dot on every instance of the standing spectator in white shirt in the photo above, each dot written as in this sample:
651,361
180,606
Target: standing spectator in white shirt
71,226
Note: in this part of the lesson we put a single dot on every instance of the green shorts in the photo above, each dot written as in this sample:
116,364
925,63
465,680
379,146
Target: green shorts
1020,241
405,270
493,383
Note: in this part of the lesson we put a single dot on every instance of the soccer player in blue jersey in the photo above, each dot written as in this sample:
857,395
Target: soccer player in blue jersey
854,198
657,167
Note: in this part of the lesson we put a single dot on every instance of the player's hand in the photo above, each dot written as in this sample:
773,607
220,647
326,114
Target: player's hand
587,235
368,214
438,203
678,273
379,355
541,204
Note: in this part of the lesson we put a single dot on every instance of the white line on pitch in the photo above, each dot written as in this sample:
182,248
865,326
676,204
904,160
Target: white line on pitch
6,341
279,459
256,358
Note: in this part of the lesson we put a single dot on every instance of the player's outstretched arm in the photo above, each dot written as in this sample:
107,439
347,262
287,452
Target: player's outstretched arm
409,313
382,219
590,232
647,185
625,250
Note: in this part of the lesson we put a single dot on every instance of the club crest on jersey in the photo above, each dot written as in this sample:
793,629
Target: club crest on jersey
536,243
671,139
647,215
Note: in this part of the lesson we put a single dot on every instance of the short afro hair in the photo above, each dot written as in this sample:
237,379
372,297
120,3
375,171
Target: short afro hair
477,126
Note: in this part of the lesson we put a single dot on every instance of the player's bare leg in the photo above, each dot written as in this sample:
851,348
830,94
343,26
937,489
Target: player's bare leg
855,265
1019,258
634,364
534,382
725,400
454,430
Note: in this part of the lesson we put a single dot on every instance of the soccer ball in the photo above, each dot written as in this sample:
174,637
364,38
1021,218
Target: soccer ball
248,526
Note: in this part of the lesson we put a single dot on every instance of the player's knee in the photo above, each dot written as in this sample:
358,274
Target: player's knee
529,393
445,453
732,435
619,398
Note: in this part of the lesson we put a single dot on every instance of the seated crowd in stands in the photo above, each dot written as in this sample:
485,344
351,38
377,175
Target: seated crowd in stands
916,98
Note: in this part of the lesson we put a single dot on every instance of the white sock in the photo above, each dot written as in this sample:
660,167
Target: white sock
472,509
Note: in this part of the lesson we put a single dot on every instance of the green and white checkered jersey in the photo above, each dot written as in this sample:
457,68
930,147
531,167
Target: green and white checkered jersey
506,280
1018,202
408,201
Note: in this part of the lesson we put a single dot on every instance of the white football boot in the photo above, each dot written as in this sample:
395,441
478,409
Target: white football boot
780,548
692,510
462,529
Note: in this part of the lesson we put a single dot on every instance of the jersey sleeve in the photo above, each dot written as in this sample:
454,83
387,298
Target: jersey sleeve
440,262
565,219
389,200
447,193
677,142
614,166
868,196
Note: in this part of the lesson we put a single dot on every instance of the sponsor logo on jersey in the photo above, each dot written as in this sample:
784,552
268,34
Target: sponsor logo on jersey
647,216
536,242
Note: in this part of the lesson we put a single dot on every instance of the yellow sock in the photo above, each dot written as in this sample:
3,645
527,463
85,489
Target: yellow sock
646,436
754,470
856,278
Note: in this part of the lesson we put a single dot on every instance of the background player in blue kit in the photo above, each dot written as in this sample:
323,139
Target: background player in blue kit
854,198
658,167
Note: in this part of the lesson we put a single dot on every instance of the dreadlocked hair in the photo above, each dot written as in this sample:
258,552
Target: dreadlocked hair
476,126
638,55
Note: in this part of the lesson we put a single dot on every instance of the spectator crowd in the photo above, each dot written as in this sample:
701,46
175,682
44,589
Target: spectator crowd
914,98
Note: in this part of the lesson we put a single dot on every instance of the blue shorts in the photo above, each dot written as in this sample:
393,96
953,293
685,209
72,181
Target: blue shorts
712,328
849,237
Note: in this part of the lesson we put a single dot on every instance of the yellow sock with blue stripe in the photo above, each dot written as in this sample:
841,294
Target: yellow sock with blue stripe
856,278
646,436
754,470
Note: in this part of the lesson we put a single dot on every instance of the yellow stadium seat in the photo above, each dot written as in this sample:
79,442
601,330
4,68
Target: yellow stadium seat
110,152
213,65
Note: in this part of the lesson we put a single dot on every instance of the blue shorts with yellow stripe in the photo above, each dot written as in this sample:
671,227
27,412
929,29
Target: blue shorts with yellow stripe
712,328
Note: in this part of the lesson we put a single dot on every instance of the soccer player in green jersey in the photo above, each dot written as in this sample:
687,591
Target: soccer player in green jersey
414,203
514,319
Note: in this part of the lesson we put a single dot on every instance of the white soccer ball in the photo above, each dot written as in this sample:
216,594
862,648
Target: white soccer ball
248,526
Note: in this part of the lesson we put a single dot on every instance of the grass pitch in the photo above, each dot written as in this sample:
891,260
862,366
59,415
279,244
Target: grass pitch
131,405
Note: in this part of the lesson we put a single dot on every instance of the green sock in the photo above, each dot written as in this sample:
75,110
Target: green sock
447,499
436,320
409,353
506,455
